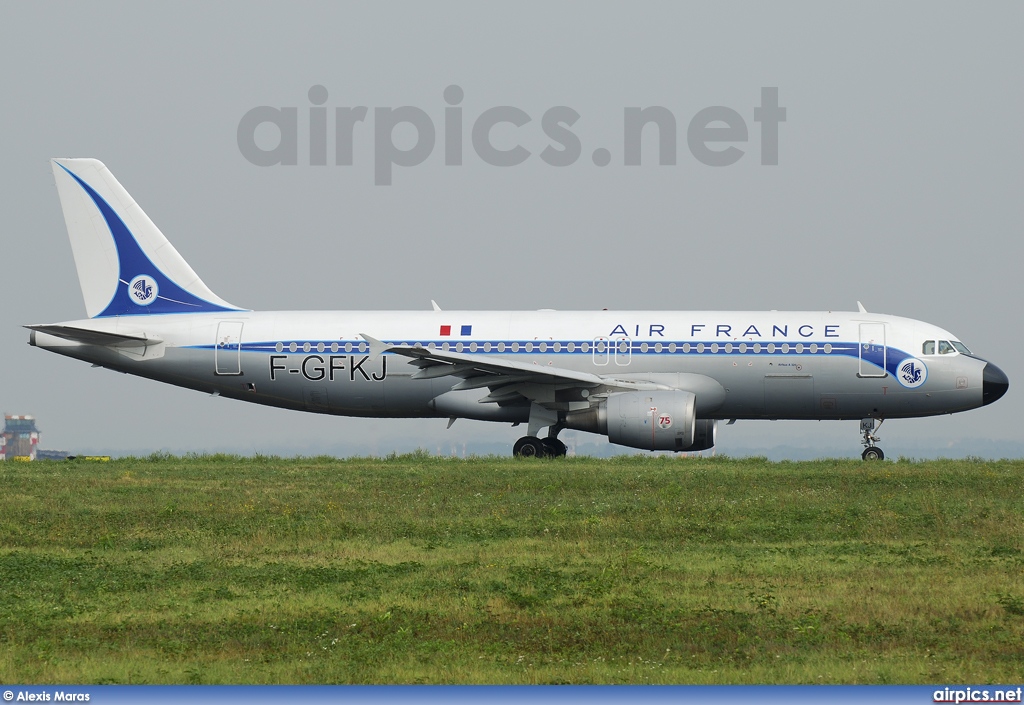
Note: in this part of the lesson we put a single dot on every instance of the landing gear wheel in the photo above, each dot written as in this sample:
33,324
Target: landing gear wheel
867,430
554,448
873,453
529,447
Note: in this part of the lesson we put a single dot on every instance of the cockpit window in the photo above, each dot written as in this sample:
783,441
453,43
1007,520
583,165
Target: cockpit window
928,348
946,348
960,347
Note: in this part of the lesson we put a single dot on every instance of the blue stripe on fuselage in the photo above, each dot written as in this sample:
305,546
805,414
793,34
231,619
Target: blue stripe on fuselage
872,355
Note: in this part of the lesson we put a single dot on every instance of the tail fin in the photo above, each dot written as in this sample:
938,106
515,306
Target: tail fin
125,264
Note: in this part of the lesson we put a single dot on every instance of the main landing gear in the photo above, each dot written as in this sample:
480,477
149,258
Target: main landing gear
533,447
530,446
871,451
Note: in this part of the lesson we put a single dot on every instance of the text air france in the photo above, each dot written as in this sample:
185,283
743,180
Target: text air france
727,330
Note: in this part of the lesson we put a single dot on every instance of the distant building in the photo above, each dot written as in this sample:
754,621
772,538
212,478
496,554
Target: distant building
20,438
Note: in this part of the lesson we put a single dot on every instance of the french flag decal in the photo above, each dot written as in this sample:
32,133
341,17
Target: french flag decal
464,330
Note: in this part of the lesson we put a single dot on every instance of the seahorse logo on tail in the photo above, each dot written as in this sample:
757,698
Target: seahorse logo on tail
142,290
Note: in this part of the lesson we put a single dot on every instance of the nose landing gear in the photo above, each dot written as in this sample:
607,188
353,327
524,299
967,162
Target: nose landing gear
871,451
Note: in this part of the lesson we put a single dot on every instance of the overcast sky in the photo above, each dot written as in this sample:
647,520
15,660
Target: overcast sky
898,183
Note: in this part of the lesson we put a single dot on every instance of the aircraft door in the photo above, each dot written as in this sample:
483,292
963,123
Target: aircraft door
228,348
623,349
872,350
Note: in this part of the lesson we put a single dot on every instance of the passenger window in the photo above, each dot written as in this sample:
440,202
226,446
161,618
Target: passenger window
945,348
928,348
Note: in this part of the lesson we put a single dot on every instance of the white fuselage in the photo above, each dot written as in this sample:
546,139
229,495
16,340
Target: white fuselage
798,365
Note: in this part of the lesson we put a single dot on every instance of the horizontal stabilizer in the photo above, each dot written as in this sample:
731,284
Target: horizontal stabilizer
94,337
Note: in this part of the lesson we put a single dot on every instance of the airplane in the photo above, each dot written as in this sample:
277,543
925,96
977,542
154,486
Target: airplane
652,380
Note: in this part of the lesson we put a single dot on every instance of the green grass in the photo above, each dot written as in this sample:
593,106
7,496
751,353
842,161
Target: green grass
221,569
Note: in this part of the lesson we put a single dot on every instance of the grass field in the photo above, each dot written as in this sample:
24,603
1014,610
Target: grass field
218,569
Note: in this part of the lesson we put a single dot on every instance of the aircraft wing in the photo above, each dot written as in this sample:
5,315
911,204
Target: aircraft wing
508,380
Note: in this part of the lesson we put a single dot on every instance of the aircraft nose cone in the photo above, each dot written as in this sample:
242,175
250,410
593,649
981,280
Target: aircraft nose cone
993,383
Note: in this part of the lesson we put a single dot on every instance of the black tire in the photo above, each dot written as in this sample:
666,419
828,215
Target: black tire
872,453
554,448
529,447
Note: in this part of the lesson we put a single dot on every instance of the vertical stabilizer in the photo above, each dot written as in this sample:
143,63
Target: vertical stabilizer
125,264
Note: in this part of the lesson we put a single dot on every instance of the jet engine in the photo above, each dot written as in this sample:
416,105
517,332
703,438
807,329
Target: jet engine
659,420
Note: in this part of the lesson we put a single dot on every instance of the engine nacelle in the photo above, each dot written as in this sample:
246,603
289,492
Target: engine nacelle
660,420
